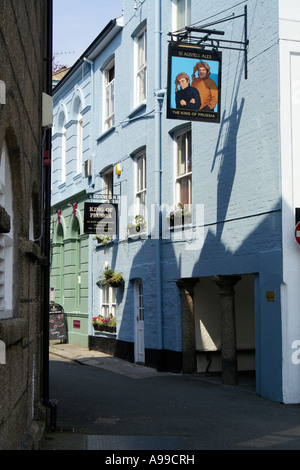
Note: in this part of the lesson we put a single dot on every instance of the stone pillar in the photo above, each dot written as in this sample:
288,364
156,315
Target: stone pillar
228,330
189,363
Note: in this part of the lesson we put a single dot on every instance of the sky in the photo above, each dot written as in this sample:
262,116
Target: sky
76,23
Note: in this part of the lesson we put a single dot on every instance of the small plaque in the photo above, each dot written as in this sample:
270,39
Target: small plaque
270,296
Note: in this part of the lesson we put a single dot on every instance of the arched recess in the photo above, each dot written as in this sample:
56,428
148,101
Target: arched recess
58,261
75,249
76,112
77,103
61,131
61,117
6,239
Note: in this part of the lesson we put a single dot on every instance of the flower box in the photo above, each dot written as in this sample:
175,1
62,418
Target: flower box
136,228
106,324
180,220
179,217
108,329
112,279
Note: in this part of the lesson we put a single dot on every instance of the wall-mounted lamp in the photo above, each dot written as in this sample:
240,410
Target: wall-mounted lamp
118,169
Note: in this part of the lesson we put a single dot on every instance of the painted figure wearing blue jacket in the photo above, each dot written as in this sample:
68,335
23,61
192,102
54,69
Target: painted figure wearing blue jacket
187,97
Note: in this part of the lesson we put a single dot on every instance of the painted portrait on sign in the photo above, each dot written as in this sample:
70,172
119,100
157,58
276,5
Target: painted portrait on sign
194,84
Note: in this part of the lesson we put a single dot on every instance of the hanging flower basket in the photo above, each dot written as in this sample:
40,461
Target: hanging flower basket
107,324
112,279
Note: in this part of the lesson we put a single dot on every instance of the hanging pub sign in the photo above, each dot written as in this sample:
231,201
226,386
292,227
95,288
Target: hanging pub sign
100,218
194,83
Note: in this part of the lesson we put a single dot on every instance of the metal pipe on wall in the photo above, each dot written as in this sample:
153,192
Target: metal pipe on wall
157,241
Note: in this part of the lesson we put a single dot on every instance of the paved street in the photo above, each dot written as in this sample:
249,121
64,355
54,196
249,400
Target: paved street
106,403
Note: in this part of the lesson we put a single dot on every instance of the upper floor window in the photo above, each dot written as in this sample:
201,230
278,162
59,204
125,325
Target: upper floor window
183,13
141,67
109,96
63,152
108,184
79,141
76,256
183,189
6,240
108,301
140,195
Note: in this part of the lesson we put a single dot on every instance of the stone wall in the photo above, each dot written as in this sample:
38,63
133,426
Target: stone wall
23,69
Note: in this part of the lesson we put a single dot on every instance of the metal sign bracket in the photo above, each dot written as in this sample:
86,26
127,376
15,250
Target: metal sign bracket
201,36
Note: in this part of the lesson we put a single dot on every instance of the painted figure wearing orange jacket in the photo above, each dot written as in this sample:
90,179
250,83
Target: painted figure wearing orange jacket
207,88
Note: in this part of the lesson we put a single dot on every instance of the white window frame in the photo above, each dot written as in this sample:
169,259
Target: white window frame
108,303
6,240
141,67
183,140
109,97
185,20
140,184
79,140
63,151
108,185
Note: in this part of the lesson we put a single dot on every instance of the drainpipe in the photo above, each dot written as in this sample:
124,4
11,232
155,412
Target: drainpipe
91,179
90,191
157,168
47,193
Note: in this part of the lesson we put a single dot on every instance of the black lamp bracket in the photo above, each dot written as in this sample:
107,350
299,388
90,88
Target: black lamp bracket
201,36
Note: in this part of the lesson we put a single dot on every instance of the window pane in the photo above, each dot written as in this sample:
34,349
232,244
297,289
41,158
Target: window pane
180,13
108,185
185,190
109,106
141,173
111,74
188,12
141,67
189,151
183,13
105,298
113,295
184,169
142,50
181,156
142,85
105,310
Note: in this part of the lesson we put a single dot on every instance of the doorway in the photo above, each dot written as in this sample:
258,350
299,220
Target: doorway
208,325
139,340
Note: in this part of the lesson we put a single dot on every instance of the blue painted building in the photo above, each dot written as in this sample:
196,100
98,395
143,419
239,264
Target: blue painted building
218,291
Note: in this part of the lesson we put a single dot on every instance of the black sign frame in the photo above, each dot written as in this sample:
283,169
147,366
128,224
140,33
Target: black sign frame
182,62
101,218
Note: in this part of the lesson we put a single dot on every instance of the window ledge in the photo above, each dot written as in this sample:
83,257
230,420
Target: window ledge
106,133
13,330
32,250
77,176
104,334
140,108
62,185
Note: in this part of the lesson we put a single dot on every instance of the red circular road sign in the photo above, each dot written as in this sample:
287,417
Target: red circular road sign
297,233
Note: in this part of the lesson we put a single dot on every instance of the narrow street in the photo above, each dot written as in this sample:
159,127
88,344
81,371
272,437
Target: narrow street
99,409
